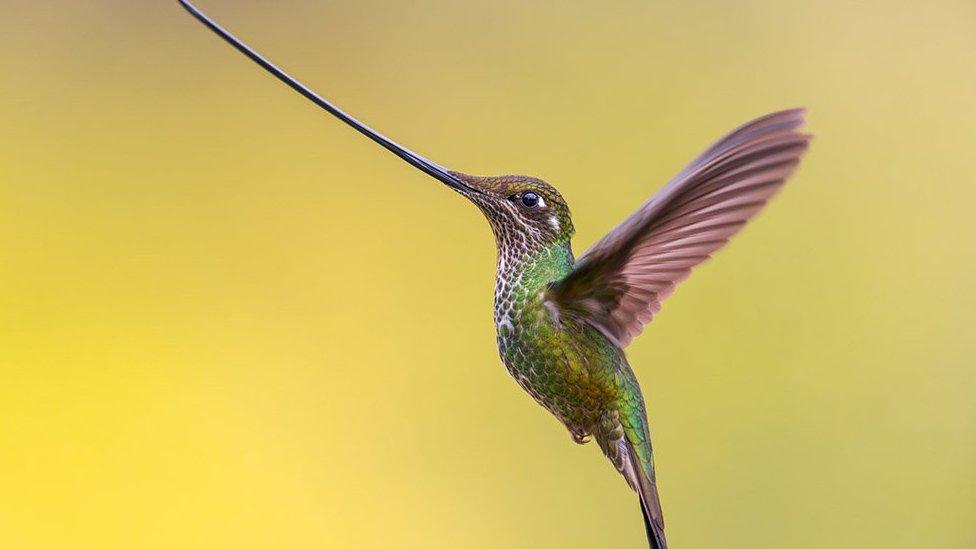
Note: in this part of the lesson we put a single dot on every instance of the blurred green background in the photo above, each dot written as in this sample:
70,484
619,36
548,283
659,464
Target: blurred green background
230,321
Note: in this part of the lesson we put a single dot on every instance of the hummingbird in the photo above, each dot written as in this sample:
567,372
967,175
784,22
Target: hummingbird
562,322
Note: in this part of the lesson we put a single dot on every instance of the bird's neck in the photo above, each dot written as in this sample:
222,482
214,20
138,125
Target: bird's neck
523,274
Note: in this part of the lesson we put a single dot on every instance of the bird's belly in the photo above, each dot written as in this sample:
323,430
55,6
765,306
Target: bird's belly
564,374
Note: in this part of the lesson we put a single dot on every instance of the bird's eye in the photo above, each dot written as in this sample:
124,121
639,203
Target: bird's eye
531,200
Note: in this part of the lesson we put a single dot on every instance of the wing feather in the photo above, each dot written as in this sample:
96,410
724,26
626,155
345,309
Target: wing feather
618,284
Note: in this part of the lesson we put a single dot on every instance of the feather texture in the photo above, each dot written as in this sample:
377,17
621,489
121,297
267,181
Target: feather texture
618,285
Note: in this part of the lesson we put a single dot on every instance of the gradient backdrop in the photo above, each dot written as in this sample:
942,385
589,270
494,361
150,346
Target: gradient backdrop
228,321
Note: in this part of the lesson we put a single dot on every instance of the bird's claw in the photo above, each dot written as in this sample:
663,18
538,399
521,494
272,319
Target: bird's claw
580,437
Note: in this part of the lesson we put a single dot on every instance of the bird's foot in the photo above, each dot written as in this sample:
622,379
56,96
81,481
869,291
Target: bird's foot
580,437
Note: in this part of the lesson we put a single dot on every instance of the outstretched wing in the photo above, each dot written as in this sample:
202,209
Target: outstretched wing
618,285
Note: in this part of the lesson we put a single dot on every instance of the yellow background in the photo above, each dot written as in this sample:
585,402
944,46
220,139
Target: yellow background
227,320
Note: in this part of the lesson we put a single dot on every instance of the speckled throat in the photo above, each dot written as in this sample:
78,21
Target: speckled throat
521,276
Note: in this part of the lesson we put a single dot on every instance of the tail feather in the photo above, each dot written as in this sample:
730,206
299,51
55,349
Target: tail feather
653,517
650,503
619,448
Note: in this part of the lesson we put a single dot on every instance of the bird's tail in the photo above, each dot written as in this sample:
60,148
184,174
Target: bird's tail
651,509
633,460
640,476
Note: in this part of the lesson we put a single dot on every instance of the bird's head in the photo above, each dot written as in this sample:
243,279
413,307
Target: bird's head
519,208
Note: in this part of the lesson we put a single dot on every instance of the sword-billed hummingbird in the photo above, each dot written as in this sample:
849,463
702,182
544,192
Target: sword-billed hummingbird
562,322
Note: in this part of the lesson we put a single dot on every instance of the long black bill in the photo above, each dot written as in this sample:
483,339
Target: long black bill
430,168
